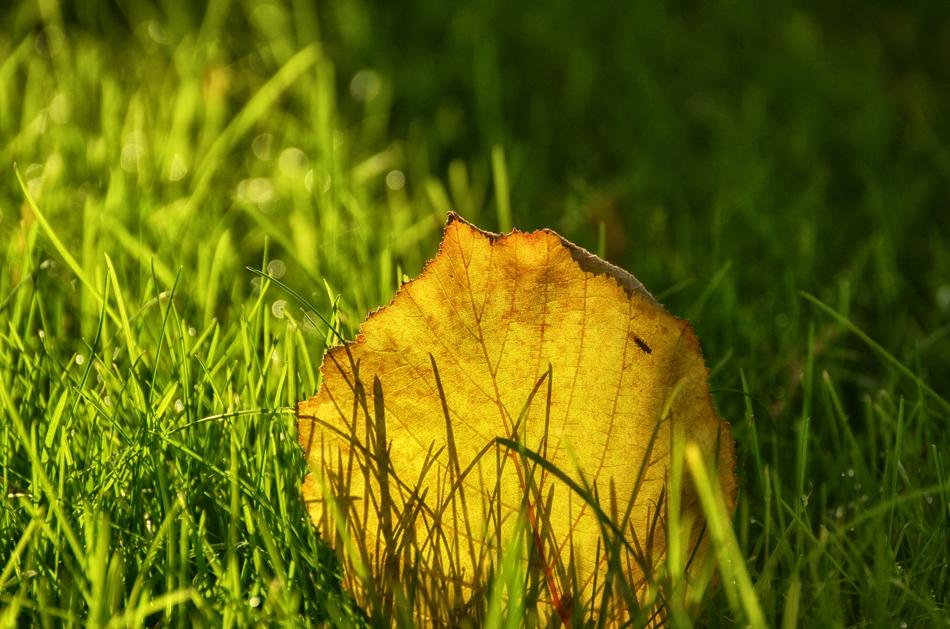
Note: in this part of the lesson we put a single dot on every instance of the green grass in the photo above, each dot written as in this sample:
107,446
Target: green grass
779,175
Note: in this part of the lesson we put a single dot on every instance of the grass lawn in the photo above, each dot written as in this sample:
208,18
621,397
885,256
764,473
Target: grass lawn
778,175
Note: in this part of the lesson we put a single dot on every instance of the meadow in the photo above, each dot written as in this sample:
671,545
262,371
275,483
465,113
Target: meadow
777,174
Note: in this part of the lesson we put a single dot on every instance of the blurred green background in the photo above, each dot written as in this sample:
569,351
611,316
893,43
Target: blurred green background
790,146
730,154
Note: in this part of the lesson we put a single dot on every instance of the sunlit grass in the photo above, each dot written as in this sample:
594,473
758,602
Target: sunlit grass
149,465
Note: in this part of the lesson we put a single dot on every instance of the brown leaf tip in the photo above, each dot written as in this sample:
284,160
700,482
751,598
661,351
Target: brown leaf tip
586,260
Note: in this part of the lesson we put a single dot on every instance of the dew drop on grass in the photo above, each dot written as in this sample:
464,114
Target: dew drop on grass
293,162
179,405
850,472
131,157
254,601
365,85
278,308
395,180
41,334
80,359
192,331
276,268
257,190
929,499
262,146
32,172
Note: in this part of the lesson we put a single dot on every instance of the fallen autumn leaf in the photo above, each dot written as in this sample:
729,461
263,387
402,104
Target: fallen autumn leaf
518,379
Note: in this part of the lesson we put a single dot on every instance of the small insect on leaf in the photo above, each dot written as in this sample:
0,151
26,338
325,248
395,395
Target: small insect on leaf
520,386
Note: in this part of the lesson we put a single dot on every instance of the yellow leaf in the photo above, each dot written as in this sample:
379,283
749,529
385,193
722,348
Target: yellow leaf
519,378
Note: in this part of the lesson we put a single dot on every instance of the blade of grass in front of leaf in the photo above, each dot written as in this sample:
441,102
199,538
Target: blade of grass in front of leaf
732,564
